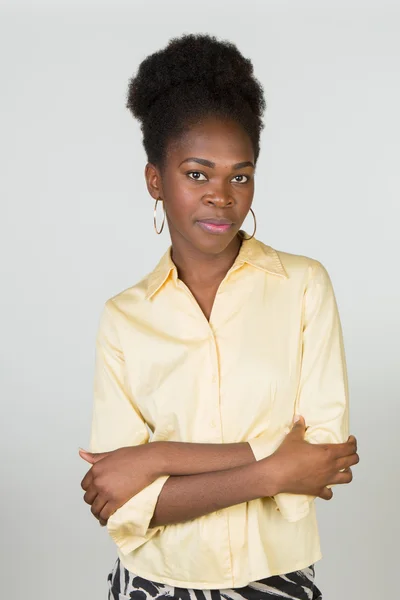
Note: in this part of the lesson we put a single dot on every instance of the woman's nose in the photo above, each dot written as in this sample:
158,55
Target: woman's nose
218,197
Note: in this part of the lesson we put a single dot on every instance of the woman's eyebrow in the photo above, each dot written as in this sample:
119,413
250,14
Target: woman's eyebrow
209,163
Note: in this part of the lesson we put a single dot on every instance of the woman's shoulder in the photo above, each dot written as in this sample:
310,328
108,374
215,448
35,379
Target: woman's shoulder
129,297
133,301
293,263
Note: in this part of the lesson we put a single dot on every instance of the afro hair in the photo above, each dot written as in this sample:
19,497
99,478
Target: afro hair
193,77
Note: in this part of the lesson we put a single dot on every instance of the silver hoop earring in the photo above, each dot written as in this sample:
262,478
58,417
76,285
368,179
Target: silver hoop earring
158,231
255,227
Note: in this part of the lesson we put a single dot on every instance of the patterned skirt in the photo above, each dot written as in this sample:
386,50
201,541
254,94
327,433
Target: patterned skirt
299,585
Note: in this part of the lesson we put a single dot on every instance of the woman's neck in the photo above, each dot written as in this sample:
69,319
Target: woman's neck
197,268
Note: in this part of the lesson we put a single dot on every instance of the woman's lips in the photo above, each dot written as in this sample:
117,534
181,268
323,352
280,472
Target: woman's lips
214,226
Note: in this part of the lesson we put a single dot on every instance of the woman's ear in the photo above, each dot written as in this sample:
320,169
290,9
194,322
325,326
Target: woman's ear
153,181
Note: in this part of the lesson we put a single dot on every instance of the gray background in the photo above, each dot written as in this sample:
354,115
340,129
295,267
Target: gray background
76,228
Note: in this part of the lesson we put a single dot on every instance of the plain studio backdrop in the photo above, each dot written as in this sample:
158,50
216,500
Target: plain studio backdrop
75,213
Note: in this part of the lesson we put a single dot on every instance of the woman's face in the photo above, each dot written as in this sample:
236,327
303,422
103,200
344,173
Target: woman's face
207,185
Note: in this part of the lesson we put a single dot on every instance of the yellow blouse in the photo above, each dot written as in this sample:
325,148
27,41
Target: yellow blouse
273,348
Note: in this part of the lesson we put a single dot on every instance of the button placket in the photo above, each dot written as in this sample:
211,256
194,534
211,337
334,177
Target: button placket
215,422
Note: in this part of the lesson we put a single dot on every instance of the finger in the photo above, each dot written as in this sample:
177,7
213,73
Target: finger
98,506
93,457
102,522
106,512
299,425
352,442
326,494
87,458
347,461
87,480
344,449
90,494
353,439
85,455
343,477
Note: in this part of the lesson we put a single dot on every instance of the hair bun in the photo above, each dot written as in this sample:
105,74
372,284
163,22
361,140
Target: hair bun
194,60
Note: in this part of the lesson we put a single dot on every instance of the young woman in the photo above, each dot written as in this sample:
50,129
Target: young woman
214,353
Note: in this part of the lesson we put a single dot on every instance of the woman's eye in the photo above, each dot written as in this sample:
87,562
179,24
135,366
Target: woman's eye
239,178
196,175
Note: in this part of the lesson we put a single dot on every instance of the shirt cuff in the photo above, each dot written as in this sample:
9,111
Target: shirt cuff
129,525
292,507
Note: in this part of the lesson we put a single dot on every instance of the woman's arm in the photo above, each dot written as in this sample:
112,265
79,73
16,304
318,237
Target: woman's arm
297,467
188,497
118,476
187,458
323,392
202,477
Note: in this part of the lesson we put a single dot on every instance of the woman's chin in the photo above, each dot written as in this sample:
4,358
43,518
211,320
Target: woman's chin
210,243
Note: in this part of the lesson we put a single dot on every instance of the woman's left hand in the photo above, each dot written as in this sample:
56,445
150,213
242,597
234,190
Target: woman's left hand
116,476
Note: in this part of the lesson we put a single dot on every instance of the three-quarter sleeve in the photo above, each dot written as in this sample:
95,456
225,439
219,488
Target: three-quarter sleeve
117,422
322,395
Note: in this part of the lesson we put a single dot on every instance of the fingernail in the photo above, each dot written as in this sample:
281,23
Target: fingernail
83,450
296,418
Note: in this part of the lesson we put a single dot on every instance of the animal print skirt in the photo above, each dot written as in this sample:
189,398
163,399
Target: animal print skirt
299,585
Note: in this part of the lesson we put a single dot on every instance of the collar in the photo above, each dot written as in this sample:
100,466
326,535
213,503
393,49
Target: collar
252,252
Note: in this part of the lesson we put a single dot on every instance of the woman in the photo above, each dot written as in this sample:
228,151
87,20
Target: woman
215,352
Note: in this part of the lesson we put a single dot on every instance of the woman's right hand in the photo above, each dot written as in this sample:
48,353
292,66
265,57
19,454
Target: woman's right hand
299,467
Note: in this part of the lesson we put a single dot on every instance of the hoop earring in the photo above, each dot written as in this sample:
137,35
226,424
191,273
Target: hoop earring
158,231
255,227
